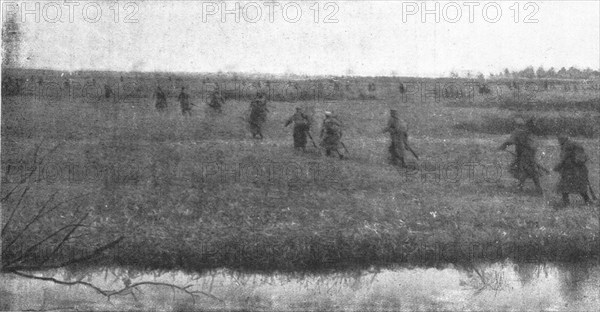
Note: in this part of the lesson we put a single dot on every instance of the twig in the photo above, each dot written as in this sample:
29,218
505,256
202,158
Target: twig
35,218
14,210
41,212
57,247
36,164
23,180
69,262
42,241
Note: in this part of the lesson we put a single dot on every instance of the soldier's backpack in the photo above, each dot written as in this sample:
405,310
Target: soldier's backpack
333,126
303,121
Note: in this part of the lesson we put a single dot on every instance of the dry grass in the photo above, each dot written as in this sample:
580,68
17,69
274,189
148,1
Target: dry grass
356,213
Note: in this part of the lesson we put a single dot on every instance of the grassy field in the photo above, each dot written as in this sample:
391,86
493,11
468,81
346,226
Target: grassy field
198,193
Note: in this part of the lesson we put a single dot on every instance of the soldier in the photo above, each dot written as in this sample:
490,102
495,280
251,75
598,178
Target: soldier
331,134
572,169
398,130
67,83
161,99
258,115
7,85
372,87
184,101
524,165
19,84
107,91
301,128
216,101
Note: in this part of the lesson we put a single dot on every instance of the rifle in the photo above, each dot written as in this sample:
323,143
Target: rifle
591,189
311,139
536,164
411,150
344,146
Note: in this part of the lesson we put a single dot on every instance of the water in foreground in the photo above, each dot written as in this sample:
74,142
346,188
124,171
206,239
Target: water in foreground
498,286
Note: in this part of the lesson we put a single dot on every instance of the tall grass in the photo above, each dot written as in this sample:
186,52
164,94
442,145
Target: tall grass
360,212
556,104
587,127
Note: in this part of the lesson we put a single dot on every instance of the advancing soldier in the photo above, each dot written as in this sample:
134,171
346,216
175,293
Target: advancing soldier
258,115
331,134
161,100
398,130
184,101
524,165
216,101
573,170
301,128
108,92
7,85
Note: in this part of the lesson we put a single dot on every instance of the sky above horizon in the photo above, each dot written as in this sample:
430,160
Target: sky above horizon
365,38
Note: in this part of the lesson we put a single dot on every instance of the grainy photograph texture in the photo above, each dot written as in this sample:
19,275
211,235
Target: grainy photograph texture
306,155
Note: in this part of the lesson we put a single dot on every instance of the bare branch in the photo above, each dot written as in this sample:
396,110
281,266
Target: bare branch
36,164
181,288
69,262
35,218
42,212
57,247
51,279
5,226
109,293
30,249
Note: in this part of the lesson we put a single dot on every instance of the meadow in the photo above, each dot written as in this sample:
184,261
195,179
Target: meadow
80,171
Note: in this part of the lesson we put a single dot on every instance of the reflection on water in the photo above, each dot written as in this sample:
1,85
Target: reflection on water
499,286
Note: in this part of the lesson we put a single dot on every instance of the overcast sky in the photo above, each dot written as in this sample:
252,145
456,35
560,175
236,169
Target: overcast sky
365,38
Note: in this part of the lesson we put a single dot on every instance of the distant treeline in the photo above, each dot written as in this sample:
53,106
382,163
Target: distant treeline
540,72
96,85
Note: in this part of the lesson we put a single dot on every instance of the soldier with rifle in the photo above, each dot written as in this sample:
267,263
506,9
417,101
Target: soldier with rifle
573,171
331,135
216,101
398,130
108,92
524,165
258,115
301,128
184,101
161,100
